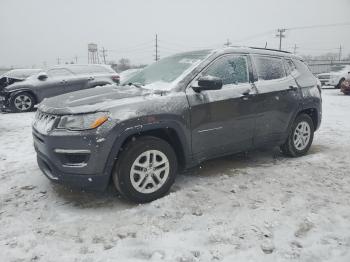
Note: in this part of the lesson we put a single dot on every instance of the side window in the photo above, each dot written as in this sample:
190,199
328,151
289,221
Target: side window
269,68
58,72
290,66
231,69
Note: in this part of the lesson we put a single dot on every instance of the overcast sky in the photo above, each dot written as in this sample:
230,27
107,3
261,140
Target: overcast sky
34,32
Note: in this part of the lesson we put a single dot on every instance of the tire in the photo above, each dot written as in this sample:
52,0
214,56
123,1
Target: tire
22,102
134,173
300,137
338,86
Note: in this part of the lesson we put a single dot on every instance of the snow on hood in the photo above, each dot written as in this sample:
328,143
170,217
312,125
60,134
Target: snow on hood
95,99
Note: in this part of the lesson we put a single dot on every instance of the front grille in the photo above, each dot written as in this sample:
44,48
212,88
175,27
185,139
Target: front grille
44,122
324,77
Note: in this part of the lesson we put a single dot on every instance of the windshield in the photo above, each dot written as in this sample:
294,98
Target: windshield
167,69
337,68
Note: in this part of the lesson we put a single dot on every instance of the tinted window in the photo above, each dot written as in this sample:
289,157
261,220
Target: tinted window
58,72
231,69
269,68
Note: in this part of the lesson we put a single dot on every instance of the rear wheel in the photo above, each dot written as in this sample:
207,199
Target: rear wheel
145,170
300,137
22,102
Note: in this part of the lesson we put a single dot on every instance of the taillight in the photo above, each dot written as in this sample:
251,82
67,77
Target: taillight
115,78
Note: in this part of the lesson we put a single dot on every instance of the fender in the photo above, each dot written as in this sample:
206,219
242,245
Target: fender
11,93
139,129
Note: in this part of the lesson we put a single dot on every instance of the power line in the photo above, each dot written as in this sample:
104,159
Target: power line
318,26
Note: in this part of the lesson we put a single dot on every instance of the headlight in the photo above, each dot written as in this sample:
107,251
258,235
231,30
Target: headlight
83,121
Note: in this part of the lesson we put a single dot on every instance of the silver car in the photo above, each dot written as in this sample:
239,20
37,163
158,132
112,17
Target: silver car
23,95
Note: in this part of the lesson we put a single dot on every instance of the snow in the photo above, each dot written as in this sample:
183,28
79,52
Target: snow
256,207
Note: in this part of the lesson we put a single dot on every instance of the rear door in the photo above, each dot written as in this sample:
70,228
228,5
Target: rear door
277,101
222,121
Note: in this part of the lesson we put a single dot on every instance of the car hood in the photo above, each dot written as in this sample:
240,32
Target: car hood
96,99
26,83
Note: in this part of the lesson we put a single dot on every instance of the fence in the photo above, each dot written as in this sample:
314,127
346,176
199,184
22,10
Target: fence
324,66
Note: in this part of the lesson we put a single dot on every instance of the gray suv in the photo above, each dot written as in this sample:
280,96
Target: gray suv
174,114
22,96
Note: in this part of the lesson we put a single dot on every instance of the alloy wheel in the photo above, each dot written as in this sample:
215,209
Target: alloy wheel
301,136
23,102
149,172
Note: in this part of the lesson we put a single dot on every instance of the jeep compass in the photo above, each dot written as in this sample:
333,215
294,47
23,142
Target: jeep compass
174,114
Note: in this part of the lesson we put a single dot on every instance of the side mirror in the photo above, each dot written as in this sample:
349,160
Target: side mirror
208,83
42,76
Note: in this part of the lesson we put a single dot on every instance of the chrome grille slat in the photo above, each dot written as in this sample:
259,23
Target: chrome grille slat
44,122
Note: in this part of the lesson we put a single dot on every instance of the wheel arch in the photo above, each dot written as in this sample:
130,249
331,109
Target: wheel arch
14,93
312,113
170,132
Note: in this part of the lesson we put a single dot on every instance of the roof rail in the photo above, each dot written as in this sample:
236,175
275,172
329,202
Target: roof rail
269,49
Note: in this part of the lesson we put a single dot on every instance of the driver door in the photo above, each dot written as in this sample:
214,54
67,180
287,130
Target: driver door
223,121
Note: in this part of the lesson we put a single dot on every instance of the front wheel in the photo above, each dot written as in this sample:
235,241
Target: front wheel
22,102
145,170
300,137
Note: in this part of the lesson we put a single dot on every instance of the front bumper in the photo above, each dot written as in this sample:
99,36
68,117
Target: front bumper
76,159
4,101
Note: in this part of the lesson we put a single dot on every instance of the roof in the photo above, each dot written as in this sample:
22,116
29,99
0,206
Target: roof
256,50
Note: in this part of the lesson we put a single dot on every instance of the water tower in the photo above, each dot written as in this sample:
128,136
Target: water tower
93,54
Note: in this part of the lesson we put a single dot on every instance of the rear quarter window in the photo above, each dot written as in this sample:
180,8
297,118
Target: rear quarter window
305,77
269,68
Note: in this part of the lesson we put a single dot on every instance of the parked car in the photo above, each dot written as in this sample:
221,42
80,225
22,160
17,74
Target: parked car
16,75
345,87
336,76
174,114
24,95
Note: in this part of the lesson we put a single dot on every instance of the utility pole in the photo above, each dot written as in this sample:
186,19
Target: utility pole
280,34
265,44
228,43
104,54
340,52
295,49
157,56
58,60
76,59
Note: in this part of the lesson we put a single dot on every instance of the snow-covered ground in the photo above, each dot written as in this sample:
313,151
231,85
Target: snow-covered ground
256,207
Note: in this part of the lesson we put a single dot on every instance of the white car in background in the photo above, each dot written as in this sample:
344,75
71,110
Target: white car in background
336,76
